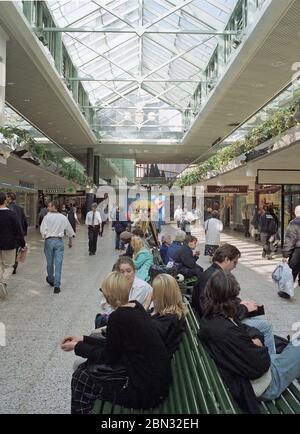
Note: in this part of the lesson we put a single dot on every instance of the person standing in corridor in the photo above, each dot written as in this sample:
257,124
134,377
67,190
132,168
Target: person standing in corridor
53,228
291,247
93,221
11,236
12,205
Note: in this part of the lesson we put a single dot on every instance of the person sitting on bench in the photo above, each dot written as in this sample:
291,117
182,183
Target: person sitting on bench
140,290
169,310
244,362
225,259
186,259
175,245
132,342
142,258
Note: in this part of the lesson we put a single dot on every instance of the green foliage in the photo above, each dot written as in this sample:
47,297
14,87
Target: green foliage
276,124
48,158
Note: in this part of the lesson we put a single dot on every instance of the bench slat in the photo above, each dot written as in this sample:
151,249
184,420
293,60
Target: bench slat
292,401
295,391
191,396
177,395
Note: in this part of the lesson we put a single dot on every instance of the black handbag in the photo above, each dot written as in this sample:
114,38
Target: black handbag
155,270
104,372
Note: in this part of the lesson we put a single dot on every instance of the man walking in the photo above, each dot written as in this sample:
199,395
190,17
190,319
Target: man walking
11,236
93,222
53,228
11,204
268,229
291,247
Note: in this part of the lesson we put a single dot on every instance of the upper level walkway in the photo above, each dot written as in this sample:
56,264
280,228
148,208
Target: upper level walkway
34,373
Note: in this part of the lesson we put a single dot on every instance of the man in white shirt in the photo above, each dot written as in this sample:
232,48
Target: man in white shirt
93,221
53,228
178,215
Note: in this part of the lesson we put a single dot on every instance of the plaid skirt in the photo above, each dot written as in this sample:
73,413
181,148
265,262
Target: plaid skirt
86,389
210,249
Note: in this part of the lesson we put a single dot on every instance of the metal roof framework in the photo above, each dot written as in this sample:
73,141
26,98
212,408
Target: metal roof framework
140,53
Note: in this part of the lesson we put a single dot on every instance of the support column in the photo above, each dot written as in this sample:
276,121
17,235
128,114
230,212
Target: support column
96,169
3,39
90,162
58,56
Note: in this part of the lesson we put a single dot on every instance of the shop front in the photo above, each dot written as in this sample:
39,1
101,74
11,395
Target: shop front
26,197
230,200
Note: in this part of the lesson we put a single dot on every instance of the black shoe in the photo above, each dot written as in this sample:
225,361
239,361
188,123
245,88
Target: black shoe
90,253
284,295
15,271
56,290
48,281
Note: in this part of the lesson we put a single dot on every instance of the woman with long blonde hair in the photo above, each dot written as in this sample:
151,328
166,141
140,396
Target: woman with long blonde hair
169,311
132,343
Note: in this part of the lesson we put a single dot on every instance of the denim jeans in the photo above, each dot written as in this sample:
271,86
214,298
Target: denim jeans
261,324
54,252
285,368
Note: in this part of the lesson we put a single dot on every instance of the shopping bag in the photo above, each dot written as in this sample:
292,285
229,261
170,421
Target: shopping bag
283,276
22,253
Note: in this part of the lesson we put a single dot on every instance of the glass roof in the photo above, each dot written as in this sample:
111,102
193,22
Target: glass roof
134,51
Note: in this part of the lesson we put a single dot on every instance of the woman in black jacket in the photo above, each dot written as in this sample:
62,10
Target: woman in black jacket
239,351
169,311
133,342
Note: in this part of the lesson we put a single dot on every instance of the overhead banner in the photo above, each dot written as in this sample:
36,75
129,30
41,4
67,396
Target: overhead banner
227,189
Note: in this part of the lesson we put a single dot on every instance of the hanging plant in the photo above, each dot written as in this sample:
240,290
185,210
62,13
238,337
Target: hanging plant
280,121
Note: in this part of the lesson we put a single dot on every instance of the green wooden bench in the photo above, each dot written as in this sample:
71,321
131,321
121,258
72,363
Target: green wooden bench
287,403
197,387
192,391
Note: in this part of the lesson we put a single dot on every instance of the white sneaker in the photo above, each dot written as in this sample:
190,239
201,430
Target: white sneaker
3,291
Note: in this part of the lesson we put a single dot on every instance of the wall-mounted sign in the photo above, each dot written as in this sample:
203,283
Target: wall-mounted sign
26,184
227,189
54,191
68,190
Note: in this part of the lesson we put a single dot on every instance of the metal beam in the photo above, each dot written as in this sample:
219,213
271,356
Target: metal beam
112,12
136,31
178,56
131,108
101,55
167,80
170,12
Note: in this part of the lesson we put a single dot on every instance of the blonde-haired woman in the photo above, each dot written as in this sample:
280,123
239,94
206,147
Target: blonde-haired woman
169,311
142,258
132,341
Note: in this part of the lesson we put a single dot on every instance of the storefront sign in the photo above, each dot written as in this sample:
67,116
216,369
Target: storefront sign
54,191
227,189
26,184
67,190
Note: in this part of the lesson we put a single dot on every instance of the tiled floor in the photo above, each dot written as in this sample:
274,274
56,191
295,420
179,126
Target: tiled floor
34,373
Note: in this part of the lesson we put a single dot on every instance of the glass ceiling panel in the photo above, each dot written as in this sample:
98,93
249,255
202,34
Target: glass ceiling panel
113,55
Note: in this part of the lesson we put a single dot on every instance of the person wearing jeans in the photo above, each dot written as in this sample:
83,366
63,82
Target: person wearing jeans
53,228
54,252
240,351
